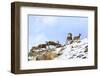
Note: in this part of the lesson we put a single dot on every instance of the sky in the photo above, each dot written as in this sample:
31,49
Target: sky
55,28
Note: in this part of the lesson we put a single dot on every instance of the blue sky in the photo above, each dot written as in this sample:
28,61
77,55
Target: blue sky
44,28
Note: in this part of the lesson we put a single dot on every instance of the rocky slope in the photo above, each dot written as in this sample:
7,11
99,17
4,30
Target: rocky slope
74,50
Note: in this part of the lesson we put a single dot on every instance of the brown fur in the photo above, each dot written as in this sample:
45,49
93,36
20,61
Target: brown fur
53,43
38,47
42,45
69,37
77,37
33,48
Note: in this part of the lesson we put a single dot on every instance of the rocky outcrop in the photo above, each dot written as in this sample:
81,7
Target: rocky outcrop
75,50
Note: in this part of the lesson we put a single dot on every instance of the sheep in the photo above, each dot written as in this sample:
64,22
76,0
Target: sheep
42,46
53,43
77,38
69,38
39,47
34,48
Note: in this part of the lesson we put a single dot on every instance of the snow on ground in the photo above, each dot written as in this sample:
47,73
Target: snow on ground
76,50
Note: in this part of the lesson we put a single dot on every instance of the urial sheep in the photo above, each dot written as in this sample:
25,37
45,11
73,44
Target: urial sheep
40,46
69,38
56,44
77,38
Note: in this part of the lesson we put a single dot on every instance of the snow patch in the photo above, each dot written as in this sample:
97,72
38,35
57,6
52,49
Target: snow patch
76,50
